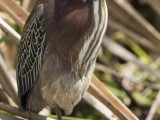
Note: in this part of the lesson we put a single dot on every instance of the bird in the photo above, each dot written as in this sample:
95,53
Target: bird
57,53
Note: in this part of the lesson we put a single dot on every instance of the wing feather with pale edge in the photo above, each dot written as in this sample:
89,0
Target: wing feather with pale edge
31,52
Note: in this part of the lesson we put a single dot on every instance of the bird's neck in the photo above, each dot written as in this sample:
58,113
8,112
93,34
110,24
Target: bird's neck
67,25
75,28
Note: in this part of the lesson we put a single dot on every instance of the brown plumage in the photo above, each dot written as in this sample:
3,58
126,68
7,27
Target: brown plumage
57,53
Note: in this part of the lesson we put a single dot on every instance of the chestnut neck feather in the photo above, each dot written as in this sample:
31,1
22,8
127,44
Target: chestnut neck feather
67,24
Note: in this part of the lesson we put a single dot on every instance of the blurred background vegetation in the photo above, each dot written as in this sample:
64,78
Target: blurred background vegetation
128,62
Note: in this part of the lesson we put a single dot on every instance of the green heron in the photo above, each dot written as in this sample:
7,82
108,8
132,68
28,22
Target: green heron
58,51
